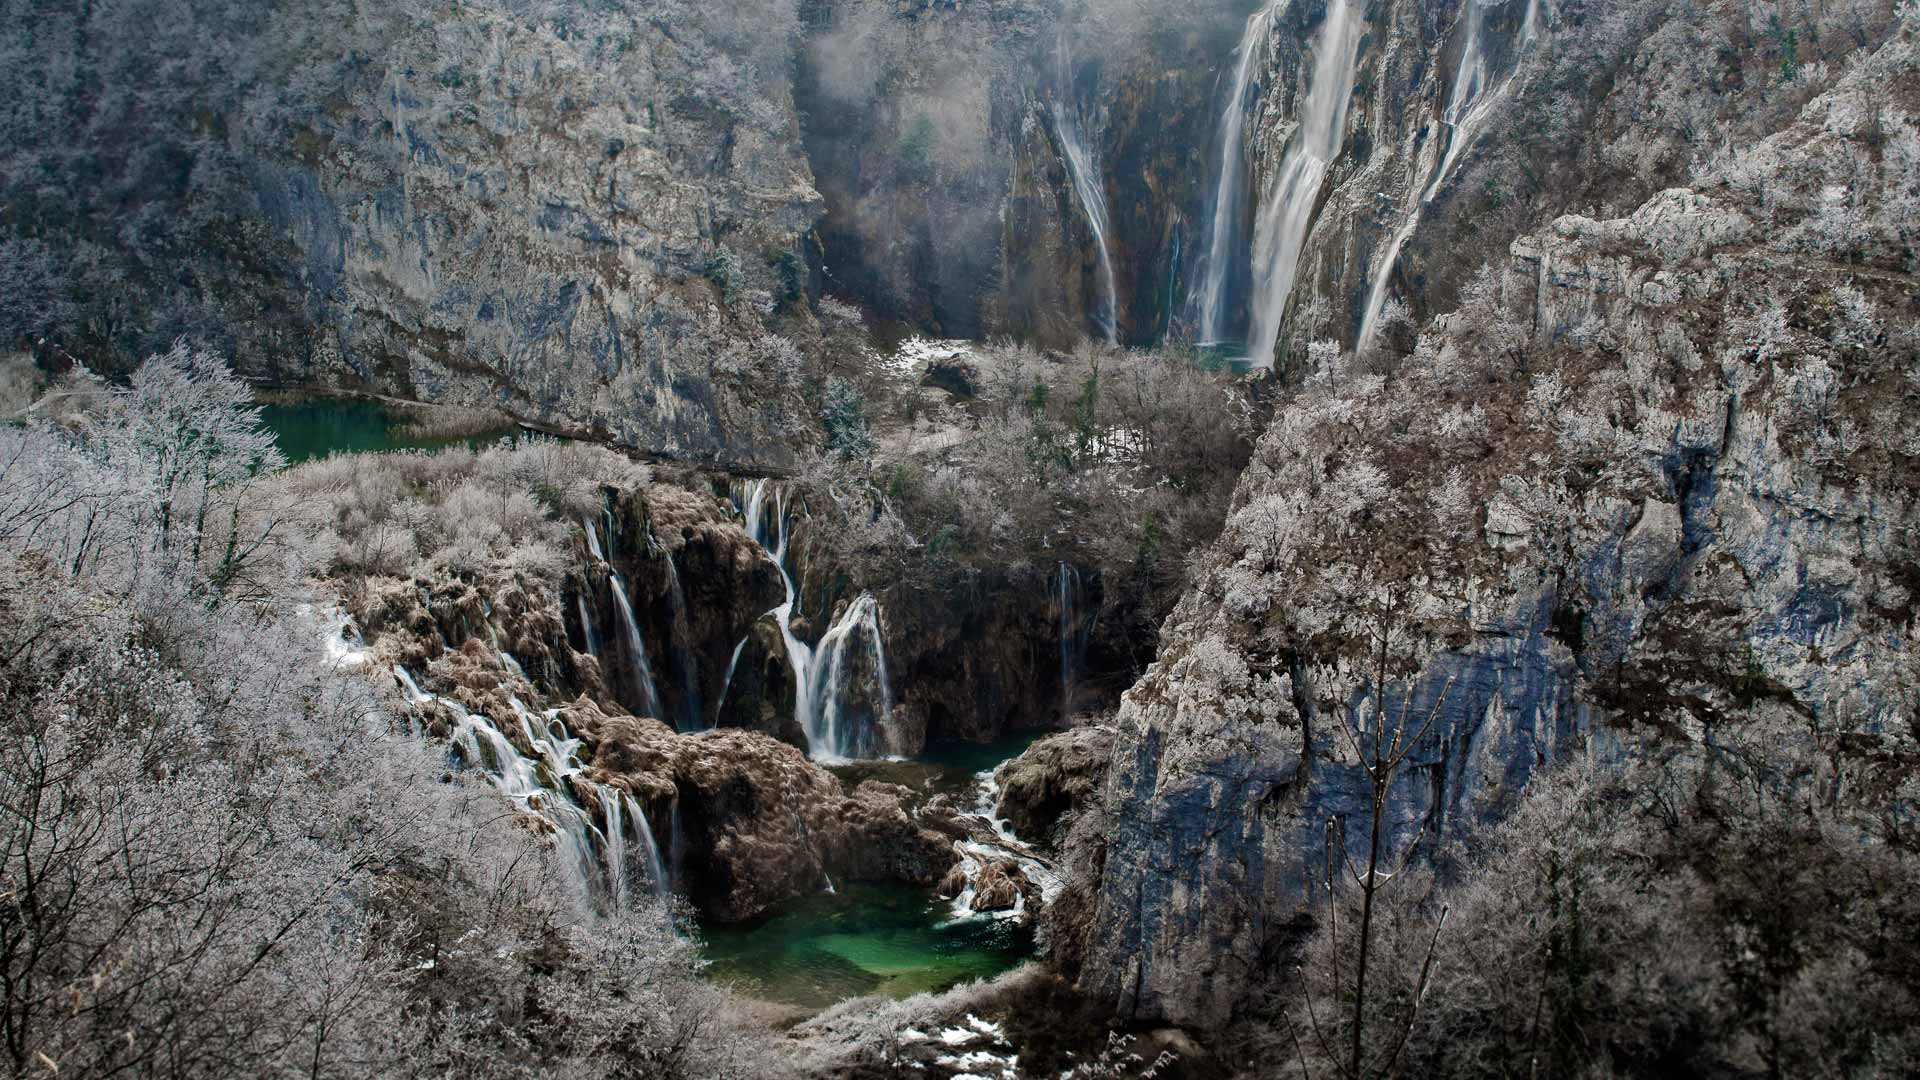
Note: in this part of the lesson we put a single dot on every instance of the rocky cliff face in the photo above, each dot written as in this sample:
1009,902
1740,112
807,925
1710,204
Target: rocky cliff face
585,216
936,132
1650,479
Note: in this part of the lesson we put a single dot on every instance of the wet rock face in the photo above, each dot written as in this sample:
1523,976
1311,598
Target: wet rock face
1652,481
949,205
753,822
482,204
1044,788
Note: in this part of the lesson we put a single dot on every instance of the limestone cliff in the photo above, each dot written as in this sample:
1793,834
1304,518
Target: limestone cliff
585,215
1654,477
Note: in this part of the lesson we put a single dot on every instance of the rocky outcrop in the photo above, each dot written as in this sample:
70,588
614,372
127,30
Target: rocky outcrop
1044,788
1651,480
585,216
752,822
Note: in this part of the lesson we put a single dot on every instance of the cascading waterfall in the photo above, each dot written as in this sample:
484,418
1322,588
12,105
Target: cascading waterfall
543,785
825,675
686,668
1073,634
636,648
1088,186
1287,212
726,684
1230,192
1469,104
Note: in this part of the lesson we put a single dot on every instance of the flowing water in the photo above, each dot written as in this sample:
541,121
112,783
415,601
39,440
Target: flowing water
538,775
1225,251
842,691
318,427
1292,198
855,938
1069,602
1470,102
1089,187
1093,203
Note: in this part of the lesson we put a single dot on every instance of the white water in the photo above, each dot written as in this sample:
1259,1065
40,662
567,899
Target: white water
636,647
975,854
1073,634
542,785
726,684
1088,187
1469,104
1287,211
823,675
687,669
1229,194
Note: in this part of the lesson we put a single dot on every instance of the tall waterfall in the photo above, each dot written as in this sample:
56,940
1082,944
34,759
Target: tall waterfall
1067,596
1469,104
824,676
636,649
1230,193
594,854
1287,211
1089,188
686,666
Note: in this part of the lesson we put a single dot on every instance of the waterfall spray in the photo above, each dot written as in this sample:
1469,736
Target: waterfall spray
1469,104
594,857
1230,192
636,648
824,676
1287,212
1088,186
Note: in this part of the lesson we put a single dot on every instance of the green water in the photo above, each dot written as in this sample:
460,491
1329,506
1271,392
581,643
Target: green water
894,940
317,427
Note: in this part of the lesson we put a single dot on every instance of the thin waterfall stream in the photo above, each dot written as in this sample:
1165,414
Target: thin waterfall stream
1293,196
1225,246
824,675
1089,188
1470,103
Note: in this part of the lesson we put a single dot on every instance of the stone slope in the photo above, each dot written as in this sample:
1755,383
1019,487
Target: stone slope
574,213
1653,477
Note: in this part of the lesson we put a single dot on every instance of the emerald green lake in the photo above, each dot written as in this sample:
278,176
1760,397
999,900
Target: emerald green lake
863,939
893,940
317,427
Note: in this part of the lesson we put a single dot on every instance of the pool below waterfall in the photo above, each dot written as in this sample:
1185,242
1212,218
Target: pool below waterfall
887,939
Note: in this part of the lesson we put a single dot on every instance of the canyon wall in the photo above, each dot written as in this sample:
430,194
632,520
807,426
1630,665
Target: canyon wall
585,216
1651,478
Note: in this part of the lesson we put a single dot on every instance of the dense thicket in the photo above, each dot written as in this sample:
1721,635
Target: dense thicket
223,856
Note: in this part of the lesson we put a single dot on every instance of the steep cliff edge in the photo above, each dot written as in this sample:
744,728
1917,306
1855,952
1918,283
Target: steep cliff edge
586,215
1654,477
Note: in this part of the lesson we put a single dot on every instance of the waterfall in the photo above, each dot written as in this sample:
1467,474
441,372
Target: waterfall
1073,634
636,647
542,785
593,539
1229,193
727,683
853,637
586,626
1469,104
1089,187
1287,212
686,668
823,675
